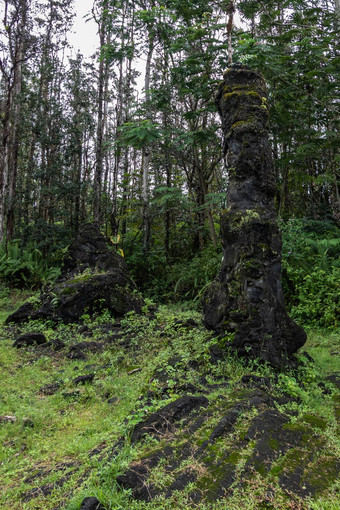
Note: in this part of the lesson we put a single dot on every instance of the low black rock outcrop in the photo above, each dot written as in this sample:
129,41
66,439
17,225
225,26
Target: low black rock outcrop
30,339
91,504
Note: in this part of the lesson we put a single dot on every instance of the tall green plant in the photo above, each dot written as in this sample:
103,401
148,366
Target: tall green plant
311,271
25,267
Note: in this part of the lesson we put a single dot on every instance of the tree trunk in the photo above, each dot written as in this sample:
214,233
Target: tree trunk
146,158
98,170
11,115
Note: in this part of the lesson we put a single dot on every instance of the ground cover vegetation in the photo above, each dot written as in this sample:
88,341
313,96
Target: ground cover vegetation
82,402
151,410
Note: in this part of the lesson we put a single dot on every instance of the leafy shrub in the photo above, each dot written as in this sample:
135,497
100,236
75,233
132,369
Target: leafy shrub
318,299
311,270
183,280
50,239
188,279
25,267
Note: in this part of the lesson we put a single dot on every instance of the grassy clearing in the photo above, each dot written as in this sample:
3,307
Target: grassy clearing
71,451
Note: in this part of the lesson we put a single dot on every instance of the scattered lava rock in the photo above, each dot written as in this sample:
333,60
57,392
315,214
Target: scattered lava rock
334,379
30,339
225,425
72,395
181,482
160,422
255,381
136,477
91,504
136,480
44,490
56,344
216,354
188,324
50,389
83,379
77,351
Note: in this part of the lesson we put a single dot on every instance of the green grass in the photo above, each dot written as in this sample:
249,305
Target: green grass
324,347
66,429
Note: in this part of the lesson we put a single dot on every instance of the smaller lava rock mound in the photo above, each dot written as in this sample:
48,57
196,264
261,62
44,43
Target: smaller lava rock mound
29,339
93,279
91,504
83,379
89,250
162,421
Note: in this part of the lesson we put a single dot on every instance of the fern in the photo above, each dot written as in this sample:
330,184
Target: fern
25,267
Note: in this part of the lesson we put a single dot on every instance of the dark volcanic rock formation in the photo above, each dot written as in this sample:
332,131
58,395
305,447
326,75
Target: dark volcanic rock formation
253,449
30,339
89,250
93,279
247,299
91,504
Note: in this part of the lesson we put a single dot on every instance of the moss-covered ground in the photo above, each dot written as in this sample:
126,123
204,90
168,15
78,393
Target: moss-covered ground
263,440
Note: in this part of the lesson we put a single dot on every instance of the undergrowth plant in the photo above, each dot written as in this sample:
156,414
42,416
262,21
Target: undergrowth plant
161,354
25,266
311,271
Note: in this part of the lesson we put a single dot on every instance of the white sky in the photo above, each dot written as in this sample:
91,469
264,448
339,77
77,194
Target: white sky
84,34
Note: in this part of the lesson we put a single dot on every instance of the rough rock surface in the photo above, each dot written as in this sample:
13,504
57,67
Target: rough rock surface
91,504
93,279
30,339
77,351
246,298
217,458
89,250
83,379
162,421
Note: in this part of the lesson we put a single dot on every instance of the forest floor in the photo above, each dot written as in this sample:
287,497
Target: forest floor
160,421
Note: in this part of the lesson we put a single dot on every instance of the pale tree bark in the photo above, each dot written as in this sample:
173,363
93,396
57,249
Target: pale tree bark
147,152
337,9
122,109
102,87
99,138
337,16
14,23
230,12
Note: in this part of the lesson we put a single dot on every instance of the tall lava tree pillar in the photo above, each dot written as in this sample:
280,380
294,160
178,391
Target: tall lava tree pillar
246,298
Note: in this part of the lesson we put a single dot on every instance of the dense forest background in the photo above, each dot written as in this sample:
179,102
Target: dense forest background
85,141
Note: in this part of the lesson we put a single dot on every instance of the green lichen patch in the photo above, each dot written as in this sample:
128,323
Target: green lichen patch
322,475
314,421
238,220
237,93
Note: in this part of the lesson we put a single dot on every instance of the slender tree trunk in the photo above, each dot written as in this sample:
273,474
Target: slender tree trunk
4,170
99,138
102,88
11,117
146,157
13,169
230,12
337,15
